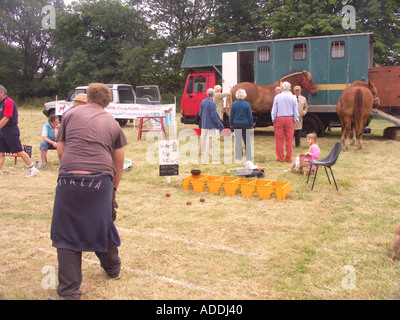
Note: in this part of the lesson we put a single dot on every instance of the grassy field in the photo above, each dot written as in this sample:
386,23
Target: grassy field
228,247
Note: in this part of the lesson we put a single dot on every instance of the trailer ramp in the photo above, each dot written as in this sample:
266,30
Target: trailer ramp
384,115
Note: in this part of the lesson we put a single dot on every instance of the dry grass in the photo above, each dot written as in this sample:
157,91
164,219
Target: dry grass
227,247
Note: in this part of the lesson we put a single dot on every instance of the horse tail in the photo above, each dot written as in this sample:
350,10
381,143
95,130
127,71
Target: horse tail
358,110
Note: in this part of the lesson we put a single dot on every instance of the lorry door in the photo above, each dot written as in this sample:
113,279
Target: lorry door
246,66
229,70
195,92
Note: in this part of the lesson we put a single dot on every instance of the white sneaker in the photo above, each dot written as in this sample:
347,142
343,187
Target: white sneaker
32,172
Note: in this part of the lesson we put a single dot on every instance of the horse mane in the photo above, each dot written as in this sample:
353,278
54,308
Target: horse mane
366,84
290,73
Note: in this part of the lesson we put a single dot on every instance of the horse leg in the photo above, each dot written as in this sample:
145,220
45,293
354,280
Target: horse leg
341,119
343,132
360,145
353,141
358,115
347,133
342,127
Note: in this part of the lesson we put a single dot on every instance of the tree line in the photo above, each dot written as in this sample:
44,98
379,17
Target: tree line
48,52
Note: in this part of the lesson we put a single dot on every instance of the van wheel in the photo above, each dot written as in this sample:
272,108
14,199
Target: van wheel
122,122
53,111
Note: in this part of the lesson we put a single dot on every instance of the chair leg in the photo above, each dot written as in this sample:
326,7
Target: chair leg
334,179
326,171
309,172
315,176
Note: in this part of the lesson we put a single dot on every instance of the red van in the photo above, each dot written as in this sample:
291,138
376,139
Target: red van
196,88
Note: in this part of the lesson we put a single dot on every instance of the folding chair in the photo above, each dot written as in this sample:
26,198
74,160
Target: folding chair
329,161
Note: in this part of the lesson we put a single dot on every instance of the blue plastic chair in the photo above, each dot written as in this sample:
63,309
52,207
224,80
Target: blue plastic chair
329,161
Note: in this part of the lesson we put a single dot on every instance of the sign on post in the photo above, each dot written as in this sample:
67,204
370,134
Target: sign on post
168,154
28,150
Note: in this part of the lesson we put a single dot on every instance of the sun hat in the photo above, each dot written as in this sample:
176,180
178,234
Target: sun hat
249,165
81,97
297,88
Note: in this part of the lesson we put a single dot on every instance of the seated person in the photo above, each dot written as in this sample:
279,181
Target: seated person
302,160
49,134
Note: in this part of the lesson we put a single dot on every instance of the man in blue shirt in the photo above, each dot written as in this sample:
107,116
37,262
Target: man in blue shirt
210,123
284,114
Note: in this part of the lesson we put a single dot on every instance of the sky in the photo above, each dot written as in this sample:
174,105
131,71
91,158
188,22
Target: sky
67,2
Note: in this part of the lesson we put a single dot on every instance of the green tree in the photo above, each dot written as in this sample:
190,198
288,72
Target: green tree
383,19
309,18
93,39
11,65
240,20
21,27
179,22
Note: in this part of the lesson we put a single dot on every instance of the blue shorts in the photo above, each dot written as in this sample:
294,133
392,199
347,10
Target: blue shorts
9,140
44,146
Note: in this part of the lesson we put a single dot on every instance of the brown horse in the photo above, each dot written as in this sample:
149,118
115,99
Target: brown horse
262,97
353,109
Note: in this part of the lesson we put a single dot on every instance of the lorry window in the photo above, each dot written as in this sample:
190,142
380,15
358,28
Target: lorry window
300,51
198,84
263,54
126,95
337,49
190,86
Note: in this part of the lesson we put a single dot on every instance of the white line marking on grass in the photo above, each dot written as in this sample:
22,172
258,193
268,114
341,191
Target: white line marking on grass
181,283
217,247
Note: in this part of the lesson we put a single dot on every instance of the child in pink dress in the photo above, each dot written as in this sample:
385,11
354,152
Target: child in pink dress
302,160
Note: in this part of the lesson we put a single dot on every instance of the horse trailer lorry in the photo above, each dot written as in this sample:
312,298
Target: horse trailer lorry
334,62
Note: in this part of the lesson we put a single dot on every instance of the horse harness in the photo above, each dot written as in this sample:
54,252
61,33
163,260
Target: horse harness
306,86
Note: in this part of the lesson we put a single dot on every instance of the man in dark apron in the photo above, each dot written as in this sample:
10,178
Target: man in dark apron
91,151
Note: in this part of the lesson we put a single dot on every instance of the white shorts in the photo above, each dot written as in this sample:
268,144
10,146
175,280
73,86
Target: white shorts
297,162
